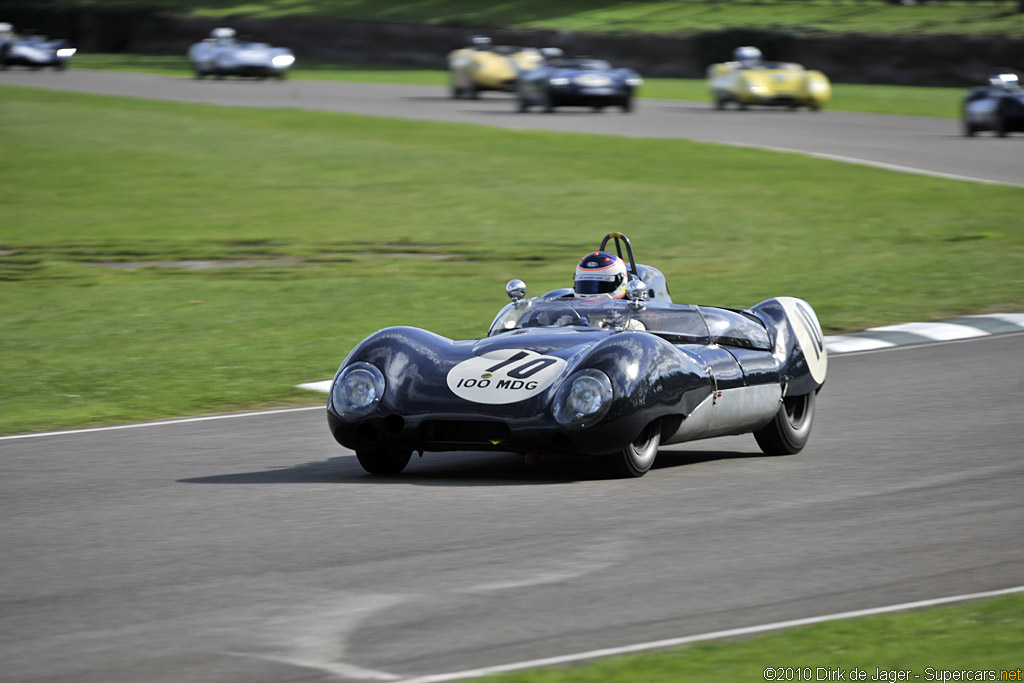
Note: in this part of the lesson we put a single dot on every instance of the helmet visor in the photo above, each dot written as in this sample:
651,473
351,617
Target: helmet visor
597,284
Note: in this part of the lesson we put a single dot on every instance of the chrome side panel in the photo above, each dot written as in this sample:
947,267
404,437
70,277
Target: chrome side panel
731,411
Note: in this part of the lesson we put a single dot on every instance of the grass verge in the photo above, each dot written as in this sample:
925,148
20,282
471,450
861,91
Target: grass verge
931,644
995,17
874,99
313,229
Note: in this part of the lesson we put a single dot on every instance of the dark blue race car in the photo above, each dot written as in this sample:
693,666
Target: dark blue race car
998,106
579,372
580,82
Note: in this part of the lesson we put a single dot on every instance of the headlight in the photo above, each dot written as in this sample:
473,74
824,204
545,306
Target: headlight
583,399
66,52
357,391
759,89
634,81
281,61
559,81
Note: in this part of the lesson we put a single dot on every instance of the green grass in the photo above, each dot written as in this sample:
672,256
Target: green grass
982,636
610,16
355,223
876,99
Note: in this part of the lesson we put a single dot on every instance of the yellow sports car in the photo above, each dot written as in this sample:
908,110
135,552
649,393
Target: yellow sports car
748,79
483,66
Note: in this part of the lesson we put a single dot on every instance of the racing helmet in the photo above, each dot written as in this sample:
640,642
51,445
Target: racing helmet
747,55
600,274
1006,80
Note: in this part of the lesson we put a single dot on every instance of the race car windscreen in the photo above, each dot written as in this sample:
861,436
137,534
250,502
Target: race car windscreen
680,323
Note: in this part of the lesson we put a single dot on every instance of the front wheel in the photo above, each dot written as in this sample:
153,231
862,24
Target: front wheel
384,461
636,458
790,429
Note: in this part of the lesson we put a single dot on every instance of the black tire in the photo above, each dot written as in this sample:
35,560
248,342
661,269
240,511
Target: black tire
968,130
522,104
456,91
999,126
790,429
718,101
627,105
384,462
635,459
3,59
546,103
472,92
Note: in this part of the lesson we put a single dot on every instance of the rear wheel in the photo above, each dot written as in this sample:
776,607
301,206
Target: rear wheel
790,429
384,461
547,104
636,458
522,104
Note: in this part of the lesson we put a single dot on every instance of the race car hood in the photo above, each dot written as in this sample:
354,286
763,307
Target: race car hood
776,80
590,78
516,373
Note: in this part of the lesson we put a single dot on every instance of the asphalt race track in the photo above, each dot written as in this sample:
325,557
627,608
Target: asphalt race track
256,549
921,144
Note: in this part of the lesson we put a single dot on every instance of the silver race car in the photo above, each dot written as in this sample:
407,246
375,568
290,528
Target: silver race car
222,54
34,52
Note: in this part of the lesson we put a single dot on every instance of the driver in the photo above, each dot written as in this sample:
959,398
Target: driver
600,274
748,56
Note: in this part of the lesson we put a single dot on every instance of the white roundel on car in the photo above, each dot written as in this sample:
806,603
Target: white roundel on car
504,376
808,335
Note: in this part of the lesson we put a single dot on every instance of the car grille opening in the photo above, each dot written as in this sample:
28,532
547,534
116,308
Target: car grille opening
464,431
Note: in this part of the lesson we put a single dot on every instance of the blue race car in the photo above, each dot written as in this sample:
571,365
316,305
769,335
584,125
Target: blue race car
579,82
998,106
610,369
